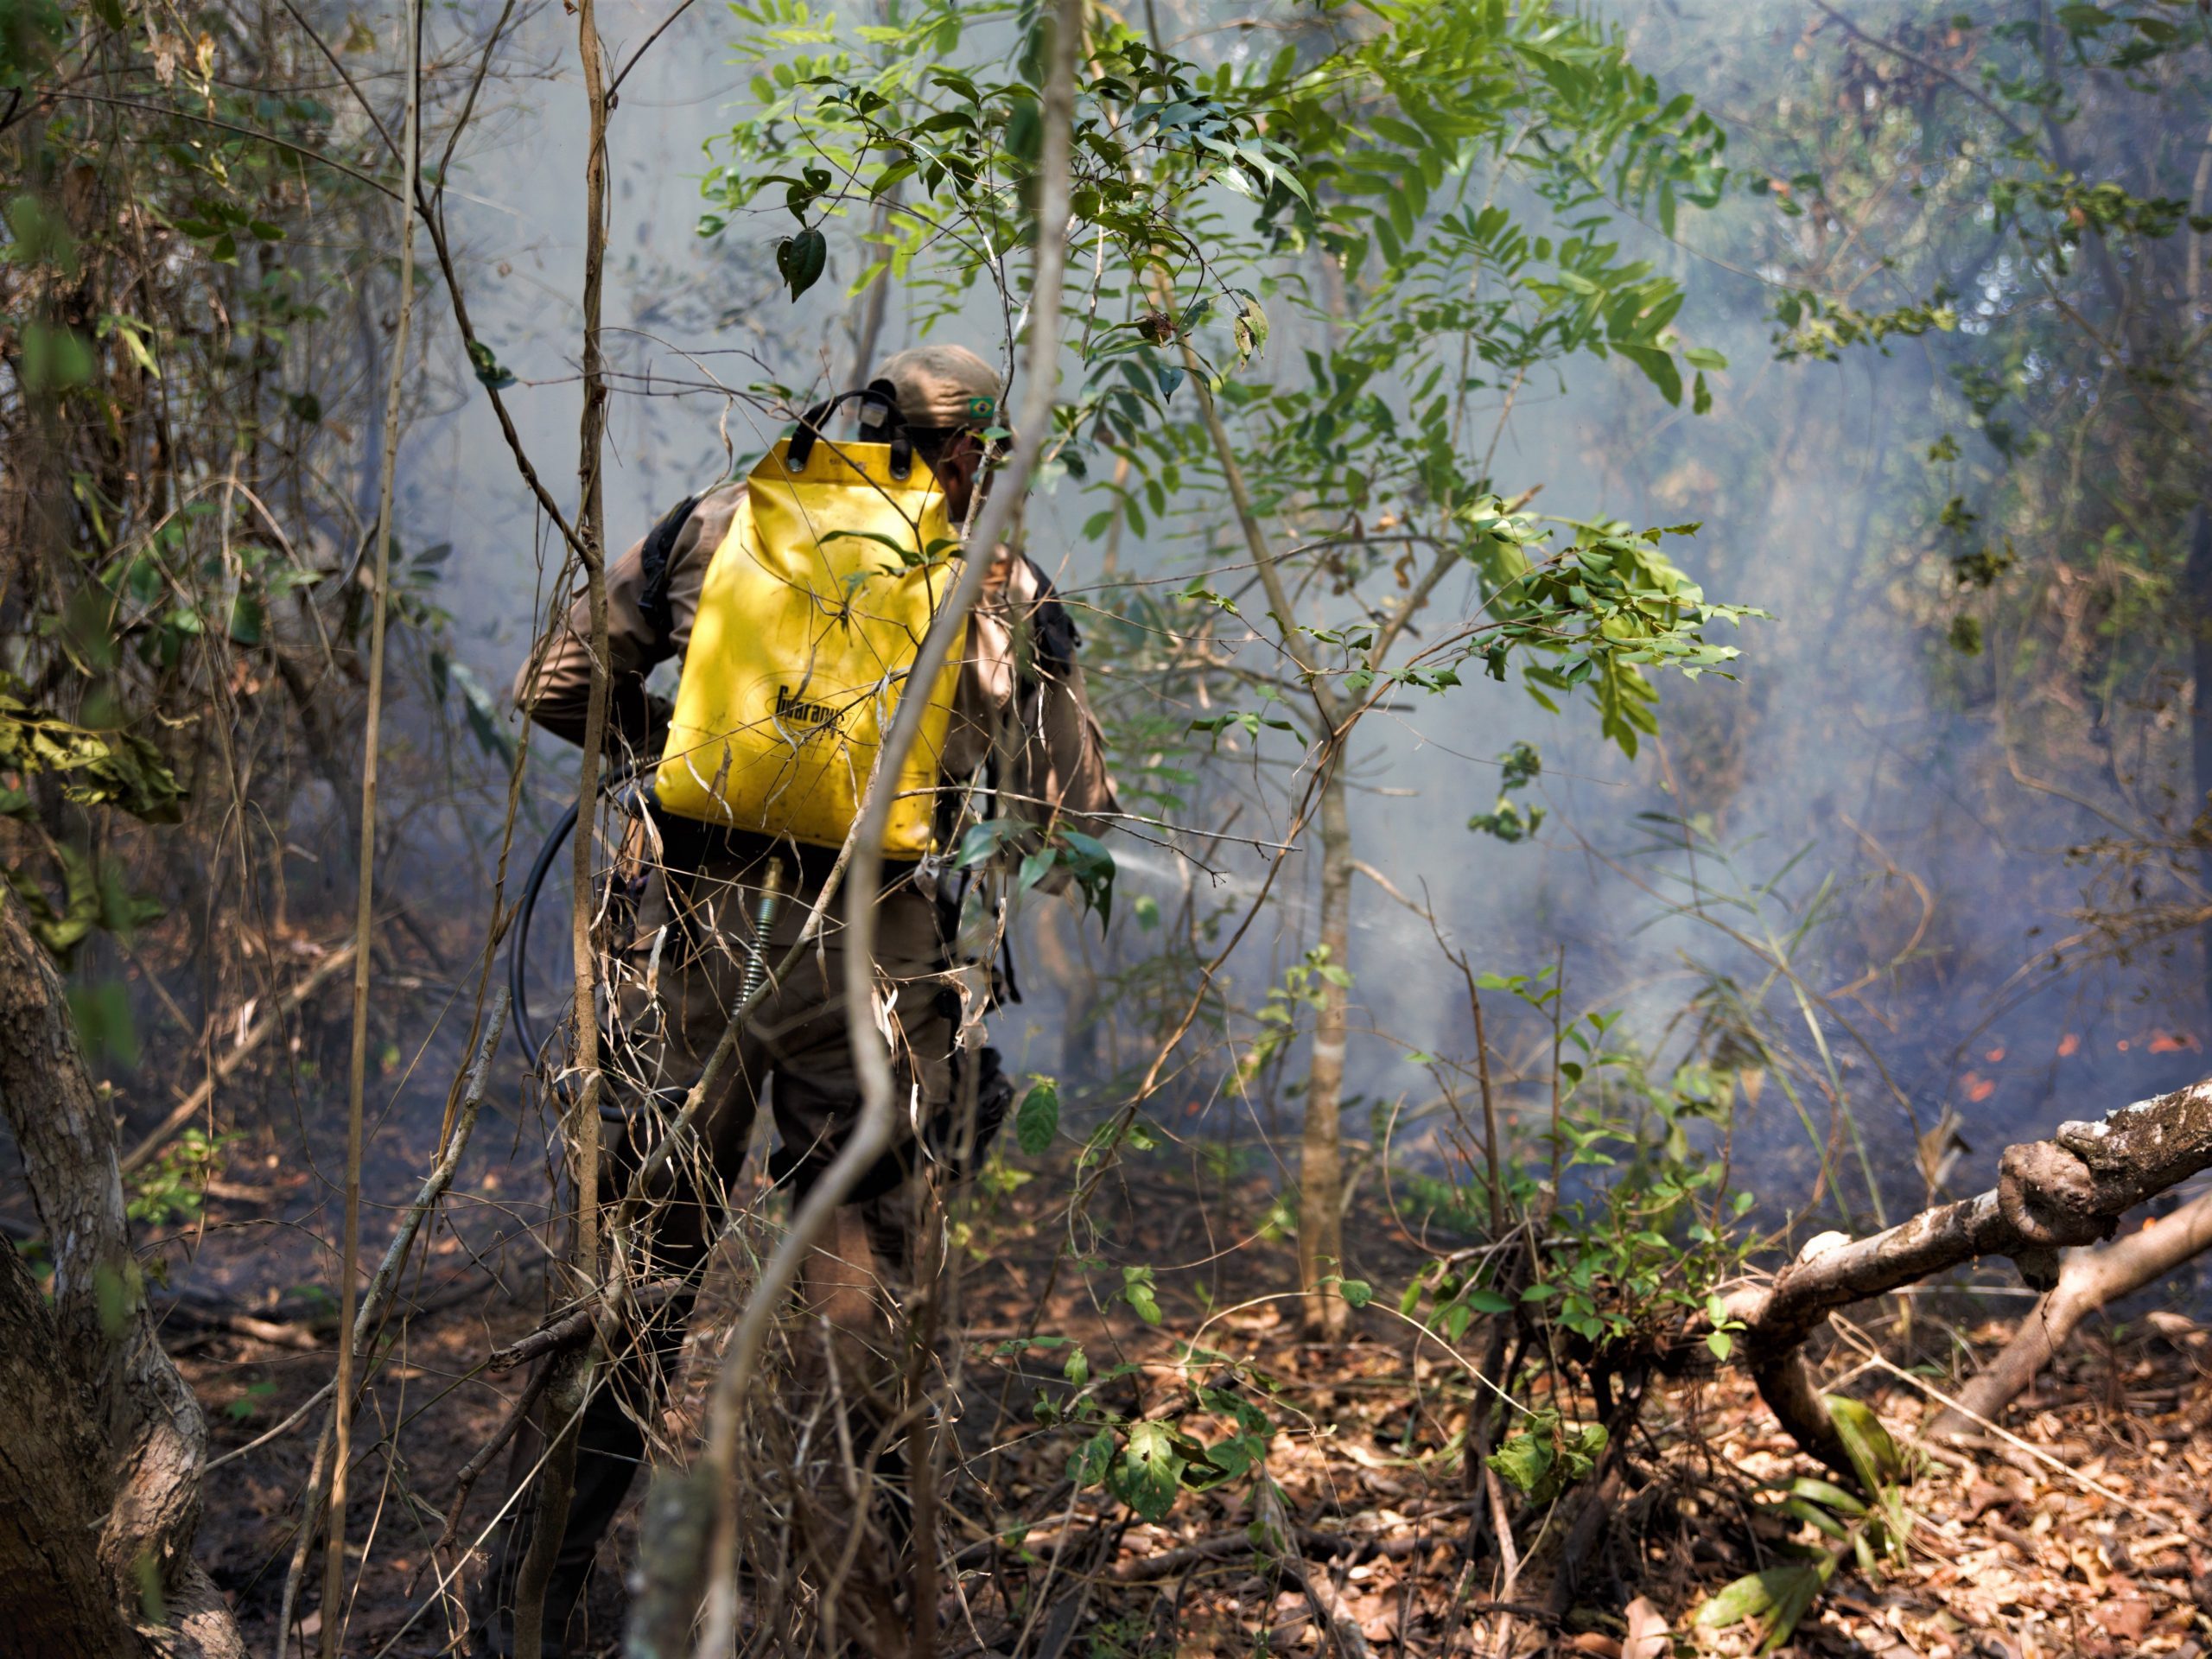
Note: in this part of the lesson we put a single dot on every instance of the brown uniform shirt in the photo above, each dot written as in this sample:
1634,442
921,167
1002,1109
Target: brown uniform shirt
1052,758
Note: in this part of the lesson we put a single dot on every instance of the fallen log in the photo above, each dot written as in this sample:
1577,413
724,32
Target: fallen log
2050,1196
2087,1280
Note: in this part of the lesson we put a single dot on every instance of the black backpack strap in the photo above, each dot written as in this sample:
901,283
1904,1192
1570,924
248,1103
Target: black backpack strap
660,542
878,414
1051,629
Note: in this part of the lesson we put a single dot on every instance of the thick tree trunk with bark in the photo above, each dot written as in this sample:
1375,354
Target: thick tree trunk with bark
138,1478
1321,1166
54,1595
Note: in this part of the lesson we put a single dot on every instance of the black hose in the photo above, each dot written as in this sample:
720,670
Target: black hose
518,947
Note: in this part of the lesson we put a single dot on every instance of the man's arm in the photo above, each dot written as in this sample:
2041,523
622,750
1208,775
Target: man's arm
1058,775
554,687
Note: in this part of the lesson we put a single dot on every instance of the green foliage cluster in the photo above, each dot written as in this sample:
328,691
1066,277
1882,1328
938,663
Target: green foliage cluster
1631,1229
118,768
1864,1529
1518,767
2011,199
185,227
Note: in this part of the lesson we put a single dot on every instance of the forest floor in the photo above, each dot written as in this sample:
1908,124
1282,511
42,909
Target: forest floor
2089,1532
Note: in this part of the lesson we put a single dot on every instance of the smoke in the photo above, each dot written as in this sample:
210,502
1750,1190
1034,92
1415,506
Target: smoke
1917,849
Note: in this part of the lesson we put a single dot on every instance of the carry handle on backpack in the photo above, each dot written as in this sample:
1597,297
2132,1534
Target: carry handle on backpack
880,395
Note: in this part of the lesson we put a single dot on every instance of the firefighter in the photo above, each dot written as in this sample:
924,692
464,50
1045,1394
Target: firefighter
778,596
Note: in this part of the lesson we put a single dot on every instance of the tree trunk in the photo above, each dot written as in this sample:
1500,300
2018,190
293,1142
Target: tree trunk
1320,1165
149,1439
54,1596
2197,590
866,319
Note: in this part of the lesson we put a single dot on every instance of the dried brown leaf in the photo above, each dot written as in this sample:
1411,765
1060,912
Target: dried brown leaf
1648,1636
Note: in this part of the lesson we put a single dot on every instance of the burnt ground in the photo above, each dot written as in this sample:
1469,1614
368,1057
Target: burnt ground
2087,1534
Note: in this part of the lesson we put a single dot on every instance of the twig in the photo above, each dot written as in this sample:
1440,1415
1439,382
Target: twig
410,1226
260,1440
238,1054
1864,1344
1501,1524
2087,1280
464,1482
1558,1011
871,1058
571,1383
623,74
1338,1620
334,1574
435,1184
315,155
1312,1542
371,1316
1458,959
572,1327
1935,69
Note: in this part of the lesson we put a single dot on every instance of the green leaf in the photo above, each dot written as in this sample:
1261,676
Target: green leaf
1037,1120
1087,859
1873,1454
1657,365
1078,1369
1357,1291
1251,327
1814,1515
1092,1459
800,259
105,1025
1523,1462
982,843
118,768
1827,1493
1137,1291
54,359
1752,1596
485,721
1796,1598
247,620
1149,1470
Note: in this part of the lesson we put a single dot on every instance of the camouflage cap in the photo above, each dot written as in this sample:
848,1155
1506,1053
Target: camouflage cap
943,386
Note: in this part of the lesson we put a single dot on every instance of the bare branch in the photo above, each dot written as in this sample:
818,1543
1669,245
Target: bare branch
871,1135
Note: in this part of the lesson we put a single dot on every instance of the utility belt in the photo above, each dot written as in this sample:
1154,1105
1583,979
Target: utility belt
687,846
